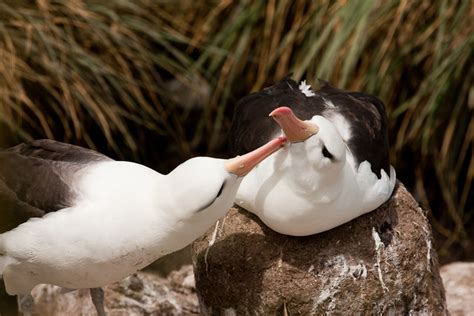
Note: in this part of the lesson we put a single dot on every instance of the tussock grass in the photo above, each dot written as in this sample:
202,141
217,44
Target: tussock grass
65,64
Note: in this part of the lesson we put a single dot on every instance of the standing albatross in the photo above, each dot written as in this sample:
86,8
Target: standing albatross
75,218
335,168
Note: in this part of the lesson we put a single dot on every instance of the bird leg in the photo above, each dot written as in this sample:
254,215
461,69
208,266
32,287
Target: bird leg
97,296
25,304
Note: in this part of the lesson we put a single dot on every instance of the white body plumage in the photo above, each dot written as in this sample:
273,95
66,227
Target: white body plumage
298,191
125,217
120,216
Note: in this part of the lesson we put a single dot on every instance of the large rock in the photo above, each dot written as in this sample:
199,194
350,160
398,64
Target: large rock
139,294
458,280
380,263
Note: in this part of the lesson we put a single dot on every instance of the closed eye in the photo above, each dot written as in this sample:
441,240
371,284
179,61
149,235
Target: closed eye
213,200
220,190
327,154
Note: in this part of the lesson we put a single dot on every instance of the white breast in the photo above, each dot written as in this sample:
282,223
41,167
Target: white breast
118,226
268,193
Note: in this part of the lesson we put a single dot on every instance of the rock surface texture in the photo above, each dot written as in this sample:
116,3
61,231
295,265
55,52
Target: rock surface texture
383,262
139,294
458,280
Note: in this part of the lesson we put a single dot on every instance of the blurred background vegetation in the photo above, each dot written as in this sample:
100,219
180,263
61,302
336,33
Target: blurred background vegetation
156,81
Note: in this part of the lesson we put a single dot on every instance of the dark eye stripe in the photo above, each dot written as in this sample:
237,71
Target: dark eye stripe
327,154
210,203
220,190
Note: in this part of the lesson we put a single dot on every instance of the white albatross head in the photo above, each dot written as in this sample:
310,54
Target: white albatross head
202,189
317,150
312,185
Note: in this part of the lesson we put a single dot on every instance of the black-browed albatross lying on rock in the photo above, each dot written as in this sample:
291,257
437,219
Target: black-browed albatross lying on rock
72,217
335,168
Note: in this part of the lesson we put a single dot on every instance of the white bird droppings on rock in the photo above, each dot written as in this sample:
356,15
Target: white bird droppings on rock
378,249
211,242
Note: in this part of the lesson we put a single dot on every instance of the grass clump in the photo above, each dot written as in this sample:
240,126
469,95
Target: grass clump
88,70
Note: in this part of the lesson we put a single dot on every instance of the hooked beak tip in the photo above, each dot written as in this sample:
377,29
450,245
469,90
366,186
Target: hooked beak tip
282,110
295,129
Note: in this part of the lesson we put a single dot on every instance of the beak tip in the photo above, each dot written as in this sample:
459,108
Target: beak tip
282,110
293,128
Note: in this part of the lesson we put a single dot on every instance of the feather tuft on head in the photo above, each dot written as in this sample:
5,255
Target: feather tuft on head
306,89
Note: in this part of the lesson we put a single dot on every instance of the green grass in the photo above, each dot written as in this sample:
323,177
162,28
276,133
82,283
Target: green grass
79,71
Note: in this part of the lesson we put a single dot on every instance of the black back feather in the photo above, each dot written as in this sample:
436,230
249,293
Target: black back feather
38,177
252,127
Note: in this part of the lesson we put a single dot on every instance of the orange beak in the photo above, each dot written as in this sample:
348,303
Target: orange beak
295,129
241,165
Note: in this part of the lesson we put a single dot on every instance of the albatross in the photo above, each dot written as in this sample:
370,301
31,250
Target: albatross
72,217
335,166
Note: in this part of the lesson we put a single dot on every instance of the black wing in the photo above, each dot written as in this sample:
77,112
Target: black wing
252,127
37,178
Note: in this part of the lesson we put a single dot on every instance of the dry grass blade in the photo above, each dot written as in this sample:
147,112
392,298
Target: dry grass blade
88,70
85,59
